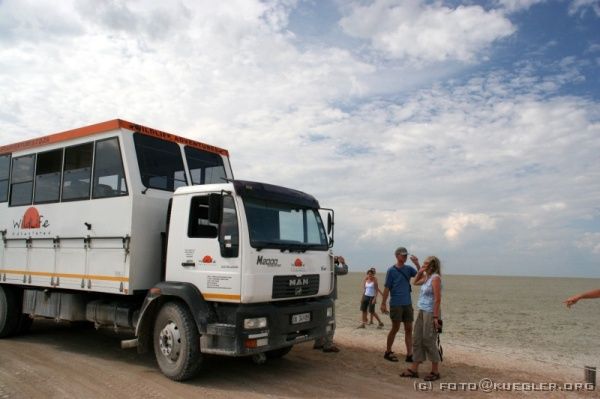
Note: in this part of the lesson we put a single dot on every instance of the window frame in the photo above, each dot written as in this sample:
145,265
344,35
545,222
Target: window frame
93,178
203,170
7,180
60,183
145,178
12,183
193,217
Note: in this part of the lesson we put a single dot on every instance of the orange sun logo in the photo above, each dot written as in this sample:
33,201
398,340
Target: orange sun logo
298,263
31,219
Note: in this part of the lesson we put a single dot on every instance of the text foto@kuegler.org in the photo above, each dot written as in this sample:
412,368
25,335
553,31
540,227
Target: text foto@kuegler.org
487,385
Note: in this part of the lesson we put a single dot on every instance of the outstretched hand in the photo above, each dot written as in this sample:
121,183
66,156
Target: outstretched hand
572,300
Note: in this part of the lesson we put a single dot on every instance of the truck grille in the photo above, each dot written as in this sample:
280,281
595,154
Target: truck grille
292,286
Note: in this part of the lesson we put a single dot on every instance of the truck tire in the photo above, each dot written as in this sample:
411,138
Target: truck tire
10,313
278,353
177,342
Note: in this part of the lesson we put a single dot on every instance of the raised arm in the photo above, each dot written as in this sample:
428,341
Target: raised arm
586,295
420,277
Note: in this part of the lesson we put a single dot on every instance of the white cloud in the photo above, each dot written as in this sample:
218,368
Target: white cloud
420,32
554,206
590,241
456,223
518,5
581,6
383,225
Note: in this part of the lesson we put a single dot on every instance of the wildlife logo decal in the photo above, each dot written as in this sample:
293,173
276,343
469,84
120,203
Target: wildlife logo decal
207,259
31,224
297,266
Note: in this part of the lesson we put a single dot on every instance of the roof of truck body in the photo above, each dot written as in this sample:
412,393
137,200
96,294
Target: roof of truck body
106,127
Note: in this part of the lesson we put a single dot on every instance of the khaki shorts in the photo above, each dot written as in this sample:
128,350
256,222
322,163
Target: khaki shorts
403,313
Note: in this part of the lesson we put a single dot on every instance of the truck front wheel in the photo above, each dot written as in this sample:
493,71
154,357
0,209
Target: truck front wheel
177,342
10,314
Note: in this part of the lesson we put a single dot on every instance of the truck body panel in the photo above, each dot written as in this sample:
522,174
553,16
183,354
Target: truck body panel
98,243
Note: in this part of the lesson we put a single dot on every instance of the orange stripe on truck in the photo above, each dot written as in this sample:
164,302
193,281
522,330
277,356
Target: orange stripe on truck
66,275
106,127
221,296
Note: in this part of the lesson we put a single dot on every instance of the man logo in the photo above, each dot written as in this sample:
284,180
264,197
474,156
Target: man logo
298,291
298,282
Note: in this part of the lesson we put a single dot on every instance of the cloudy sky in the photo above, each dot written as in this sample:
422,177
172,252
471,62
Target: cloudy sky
469,130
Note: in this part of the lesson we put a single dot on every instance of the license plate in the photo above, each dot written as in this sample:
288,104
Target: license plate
300,318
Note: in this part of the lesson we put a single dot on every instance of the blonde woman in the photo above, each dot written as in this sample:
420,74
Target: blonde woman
427,325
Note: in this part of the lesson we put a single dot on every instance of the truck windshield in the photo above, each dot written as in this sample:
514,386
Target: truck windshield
284,226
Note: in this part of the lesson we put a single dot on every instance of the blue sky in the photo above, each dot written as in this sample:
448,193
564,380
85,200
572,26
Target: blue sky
469,130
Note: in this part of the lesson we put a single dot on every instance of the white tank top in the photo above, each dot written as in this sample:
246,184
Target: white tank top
370,288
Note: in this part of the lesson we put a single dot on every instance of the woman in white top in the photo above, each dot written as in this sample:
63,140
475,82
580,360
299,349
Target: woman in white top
428,324
369,298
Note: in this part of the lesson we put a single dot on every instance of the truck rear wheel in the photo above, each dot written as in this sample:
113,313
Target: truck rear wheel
278,353
177,342
10,314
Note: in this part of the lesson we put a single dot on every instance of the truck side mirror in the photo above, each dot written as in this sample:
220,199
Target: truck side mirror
215,208
329,223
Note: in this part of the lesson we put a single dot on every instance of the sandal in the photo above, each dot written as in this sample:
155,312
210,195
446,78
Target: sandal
408,373
380,326
390,356
432,377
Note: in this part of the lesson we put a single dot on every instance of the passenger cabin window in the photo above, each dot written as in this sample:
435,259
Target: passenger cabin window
109,177
205,167
21,189
4,175
78,170
47,176
160,162
199,226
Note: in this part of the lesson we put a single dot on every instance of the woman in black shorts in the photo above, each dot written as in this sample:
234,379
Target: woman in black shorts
369,298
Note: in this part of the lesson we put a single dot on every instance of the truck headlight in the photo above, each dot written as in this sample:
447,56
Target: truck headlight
330,311
257,322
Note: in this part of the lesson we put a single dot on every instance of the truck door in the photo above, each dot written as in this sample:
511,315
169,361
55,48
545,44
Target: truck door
206,254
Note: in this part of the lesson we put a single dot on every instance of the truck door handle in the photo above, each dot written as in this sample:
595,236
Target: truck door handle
187,264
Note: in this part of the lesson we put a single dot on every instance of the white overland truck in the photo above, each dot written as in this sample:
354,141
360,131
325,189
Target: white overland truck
140,230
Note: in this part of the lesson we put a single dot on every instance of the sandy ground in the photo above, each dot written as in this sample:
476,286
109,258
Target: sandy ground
58,361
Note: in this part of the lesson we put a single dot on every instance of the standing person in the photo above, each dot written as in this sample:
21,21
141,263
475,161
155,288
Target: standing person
326,343
397,283
428,323
372,307
586,295
369,298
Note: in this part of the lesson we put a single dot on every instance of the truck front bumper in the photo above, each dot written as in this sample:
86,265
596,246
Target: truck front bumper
287,324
